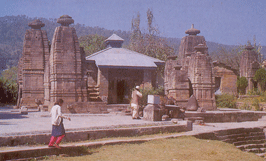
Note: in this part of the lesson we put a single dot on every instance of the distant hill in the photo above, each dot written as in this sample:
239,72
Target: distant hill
13,28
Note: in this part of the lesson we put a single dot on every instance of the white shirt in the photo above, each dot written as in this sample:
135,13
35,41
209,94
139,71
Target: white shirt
55,114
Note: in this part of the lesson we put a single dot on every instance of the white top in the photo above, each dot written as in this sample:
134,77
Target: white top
56,114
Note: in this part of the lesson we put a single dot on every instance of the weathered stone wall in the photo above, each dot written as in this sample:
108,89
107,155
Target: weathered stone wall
228,79
103,83
176,82
168,70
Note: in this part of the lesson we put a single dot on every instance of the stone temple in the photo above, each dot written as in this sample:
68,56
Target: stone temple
192,73
249,64
86,84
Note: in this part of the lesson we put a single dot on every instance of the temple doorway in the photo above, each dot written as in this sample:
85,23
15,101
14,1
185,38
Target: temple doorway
119,91
121,87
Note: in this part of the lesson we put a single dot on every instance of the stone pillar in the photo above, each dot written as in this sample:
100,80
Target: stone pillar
168,70
65,64
34,65
103,84
152,111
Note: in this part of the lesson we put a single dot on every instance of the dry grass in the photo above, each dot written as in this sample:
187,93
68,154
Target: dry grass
181,149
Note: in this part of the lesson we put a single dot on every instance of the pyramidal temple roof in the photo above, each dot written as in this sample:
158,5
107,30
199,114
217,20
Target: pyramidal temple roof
114,37
118,57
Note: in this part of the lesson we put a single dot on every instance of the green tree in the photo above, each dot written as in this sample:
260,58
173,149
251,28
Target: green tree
229,57
232,57
242,84
136,39
9,88
92,43
149,43
150,91
260,78
226,101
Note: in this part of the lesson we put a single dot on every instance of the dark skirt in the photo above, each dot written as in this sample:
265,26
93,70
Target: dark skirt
58,130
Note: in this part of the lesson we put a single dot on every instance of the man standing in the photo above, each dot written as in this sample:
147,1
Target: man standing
136,95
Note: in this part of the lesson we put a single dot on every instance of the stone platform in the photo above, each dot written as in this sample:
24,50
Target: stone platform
224,115
24,130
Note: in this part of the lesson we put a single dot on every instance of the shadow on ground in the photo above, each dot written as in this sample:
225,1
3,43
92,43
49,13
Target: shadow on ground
12,116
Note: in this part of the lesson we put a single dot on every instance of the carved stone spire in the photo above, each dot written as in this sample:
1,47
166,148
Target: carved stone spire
192,31
36,24
201,48
65,20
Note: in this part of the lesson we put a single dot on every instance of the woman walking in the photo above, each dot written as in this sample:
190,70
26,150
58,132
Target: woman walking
58,130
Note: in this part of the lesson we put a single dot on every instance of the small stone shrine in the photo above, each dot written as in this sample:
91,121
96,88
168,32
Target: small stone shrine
201,77
248,66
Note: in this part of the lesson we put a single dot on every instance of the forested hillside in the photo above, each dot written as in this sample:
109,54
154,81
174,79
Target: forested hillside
13,28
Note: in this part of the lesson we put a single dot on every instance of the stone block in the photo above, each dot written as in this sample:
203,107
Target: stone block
165,118
152,113
154,99
24,110
189,125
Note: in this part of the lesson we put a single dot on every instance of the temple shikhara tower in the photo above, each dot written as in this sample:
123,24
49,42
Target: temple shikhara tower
191,73
34,66
66,78
249,65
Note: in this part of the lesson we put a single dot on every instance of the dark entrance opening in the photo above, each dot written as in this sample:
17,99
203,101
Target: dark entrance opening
217,84
121,85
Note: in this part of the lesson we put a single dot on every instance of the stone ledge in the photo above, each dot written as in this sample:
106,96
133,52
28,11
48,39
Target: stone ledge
92,134
78,148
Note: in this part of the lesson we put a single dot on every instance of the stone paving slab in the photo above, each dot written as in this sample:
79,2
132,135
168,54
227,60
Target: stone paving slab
34,122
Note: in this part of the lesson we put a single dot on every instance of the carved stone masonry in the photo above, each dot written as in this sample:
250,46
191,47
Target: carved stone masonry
66,77
33,65
248,65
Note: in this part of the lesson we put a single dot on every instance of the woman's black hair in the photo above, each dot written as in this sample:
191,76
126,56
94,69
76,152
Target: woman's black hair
59,101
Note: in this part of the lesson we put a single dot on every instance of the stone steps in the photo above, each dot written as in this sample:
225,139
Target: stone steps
248,140
244,139
250,146
263,155
93,93
235,136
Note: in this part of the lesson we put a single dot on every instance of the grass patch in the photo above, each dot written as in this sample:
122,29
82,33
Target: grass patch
182,149
226,101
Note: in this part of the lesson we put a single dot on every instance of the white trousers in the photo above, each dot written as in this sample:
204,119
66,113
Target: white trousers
135,113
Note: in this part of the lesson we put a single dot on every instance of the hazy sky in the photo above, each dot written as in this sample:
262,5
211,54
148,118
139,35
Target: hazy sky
230,22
